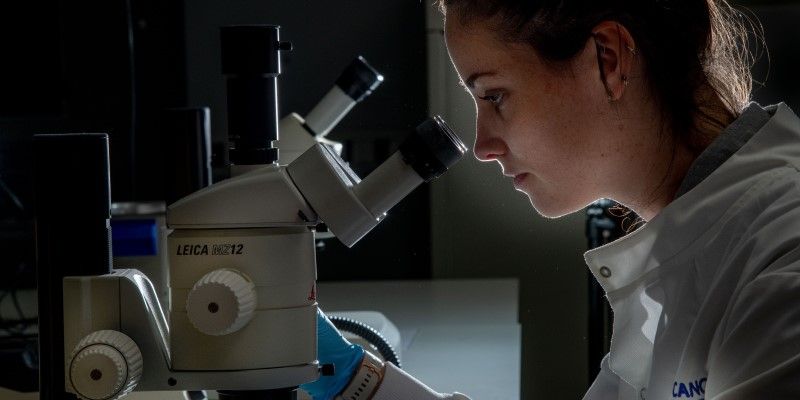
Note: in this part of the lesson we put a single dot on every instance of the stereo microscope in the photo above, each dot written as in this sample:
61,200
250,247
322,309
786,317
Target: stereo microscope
139,229
242,269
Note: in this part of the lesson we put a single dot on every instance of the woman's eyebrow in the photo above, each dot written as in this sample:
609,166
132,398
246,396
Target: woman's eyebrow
470,81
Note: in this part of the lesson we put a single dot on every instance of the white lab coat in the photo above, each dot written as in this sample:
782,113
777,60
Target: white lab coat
706,295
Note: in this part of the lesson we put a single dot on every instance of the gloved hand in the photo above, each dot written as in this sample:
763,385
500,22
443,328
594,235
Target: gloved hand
334,349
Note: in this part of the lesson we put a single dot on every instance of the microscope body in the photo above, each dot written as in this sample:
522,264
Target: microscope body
296,138
242,315
242,275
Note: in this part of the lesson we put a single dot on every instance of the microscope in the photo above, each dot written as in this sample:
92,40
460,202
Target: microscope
139,229
241,254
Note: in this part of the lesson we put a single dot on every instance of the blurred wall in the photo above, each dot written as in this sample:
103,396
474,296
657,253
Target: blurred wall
776,73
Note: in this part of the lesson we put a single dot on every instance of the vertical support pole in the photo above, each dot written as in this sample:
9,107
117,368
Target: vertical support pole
73,235
187,161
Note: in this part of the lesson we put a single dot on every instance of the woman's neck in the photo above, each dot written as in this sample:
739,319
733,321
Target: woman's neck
709,122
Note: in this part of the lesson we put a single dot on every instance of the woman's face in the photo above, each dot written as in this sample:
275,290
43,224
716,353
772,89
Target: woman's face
548,126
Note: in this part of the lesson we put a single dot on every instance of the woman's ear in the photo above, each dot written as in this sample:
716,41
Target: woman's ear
616,52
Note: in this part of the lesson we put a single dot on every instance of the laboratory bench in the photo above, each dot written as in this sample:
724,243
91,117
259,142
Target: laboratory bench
455,335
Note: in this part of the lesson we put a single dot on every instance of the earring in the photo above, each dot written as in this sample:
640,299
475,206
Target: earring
625,80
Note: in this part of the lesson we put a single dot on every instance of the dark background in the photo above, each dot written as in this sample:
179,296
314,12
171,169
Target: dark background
113,65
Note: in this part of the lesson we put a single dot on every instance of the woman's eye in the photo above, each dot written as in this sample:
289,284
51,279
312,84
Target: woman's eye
495,99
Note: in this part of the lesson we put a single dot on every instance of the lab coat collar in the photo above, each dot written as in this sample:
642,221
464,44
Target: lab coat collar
628,269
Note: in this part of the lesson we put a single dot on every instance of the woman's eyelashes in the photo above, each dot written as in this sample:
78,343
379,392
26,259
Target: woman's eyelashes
496,98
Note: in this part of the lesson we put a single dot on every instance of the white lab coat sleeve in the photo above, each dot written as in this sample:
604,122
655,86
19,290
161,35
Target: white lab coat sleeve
758,352
399,385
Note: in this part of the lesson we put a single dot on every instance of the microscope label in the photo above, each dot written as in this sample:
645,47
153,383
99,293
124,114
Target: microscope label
216,249
226,249
193,250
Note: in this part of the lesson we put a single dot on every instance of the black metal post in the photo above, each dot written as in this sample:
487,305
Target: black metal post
73,235
187,151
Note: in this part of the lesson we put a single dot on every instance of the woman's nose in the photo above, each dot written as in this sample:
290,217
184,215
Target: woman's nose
488,147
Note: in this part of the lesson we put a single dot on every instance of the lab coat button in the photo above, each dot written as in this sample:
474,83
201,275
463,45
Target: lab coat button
643,394
605,272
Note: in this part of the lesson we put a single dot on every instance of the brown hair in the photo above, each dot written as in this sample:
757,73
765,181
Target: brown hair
695,51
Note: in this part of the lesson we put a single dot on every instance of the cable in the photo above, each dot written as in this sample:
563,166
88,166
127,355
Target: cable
369,334
11,195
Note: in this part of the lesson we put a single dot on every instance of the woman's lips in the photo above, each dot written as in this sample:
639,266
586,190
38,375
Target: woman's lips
518,179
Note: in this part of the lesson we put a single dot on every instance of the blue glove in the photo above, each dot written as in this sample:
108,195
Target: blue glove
334,349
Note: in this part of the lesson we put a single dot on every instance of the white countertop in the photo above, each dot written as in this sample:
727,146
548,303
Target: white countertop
457,335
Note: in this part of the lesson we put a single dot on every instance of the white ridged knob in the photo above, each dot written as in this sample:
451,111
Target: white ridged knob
221,302
105,365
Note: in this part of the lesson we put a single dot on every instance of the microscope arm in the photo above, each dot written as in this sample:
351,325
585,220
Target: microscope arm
124,301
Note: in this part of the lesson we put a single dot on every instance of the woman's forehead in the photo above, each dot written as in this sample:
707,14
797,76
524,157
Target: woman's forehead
476,48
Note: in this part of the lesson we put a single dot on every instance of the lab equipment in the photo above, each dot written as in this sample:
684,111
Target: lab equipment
243,314
371,330
138,240
355,83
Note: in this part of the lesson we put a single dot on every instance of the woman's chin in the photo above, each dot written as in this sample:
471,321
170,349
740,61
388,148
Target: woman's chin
551,208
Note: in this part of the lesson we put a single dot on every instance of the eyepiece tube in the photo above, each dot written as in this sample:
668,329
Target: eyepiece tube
424,156
351,207
355,83
387,185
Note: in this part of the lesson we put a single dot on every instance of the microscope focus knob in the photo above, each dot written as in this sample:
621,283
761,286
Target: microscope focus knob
221,302
105,365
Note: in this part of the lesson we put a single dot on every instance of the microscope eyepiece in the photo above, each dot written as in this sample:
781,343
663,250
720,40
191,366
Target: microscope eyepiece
432,149
355,83
359,79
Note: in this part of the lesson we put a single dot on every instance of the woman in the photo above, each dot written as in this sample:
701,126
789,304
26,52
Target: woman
644,102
